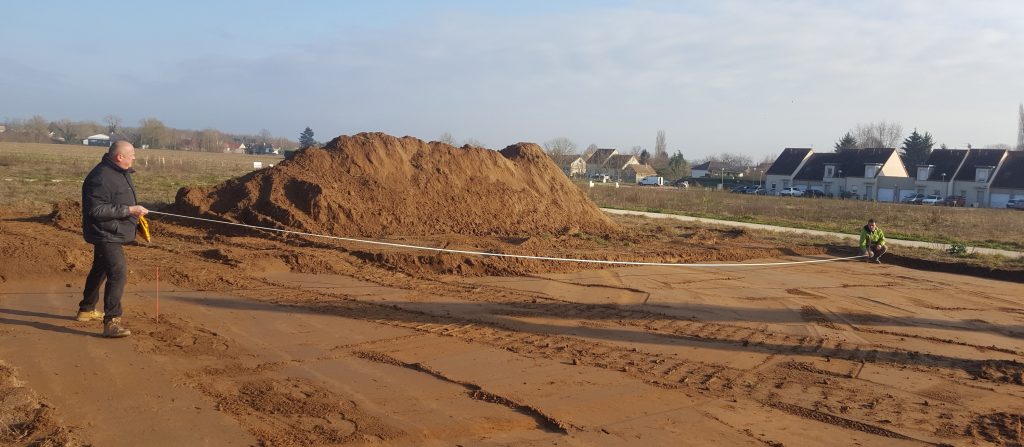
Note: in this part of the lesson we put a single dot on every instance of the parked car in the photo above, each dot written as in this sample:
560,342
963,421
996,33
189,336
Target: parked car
652,180
932,200
740,189
791,191
1015,204
814,193
758,190
955,201
914,199
600,178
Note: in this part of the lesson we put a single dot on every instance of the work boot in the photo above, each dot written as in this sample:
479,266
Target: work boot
112,328
89,315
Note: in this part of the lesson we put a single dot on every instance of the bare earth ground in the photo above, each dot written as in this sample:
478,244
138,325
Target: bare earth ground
263,340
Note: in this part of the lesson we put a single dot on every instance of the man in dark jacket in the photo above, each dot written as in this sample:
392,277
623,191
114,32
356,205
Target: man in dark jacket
109,217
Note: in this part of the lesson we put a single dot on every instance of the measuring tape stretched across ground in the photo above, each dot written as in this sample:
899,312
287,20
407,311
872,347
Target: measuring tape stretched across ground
505,255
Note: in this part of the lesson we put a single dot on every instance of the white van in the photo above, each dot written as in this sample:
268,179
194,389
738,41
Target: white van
652,180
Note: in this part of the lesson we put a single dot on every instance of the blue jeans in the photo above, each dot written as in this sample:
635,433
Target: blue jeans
108,263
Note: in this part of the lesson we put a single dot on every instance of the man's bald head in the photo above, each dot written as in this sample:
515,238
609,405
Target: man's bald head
120,147
122,153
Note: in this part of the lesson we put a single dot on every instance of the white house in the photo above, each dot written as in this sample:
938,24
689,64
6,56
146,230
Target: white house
97,140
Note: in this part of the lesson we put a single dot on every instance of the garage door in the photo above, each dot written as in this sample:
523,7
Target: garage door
886,194
999,200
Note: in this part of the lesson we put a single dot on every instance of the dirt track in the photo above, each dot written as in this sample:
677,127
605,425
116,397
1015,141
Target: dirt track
286,341
290,341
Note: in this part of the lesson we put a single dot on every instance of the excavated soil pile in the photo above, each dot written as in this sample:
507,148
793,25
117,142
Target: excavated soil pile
376,185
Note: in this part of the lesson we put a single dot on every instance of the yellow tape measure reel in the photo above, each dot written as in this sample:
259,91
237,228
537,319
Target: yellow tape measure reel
144,228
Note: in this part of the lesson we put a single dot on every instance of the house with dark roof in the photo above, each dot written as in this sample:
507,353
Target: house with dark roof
868,174
716,168
1009,180
974,179
618,162
609,162
595,162
571,164
783,170
935,175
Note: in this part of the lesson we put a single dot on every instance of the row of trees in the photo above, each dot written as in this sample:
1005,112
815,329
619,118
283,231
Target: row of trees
150,132
915,149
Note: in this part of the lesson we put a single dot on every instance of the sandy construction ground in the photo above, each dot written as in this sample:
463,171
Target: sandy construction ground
263,340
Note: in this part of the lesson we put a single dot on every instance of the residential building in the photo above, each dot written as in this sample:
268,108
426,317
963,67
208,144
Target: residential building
868,174
716,169
572,165
614,166
936,175
97,140
633,173
595,162
974,180
1009,180
784,169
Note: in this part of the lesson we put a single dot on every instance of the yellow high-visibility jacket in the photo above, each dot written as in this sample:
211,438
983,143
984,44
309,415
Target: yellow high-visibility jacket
876,237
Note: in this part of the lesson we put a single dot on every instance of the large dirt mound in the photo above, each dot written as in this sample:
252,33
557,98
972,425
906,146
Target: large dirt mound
372,184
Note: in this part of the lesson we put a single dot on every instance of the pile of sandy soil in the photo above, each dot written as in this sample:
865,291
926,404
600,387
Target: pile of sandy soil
25,419
376,185
33,253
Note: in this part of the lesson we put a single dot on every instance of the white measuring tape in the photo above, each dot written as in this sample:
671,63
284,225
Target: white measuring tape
505,255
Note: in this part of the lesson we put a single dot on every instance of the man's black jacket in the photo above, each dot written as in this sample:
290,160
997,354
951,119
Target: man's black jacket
107,193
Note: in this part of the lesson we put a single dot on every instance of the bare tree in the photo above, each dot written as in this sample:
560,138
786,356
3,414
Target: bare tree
113,124
998,146
1020,127
447,138
209,140
66,130
880,134
660,149
153,133
560,146
635,150
264,136
36,130
590,150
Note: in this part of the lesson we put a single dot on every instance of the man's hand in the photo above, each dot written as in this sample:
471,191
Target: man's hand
137,210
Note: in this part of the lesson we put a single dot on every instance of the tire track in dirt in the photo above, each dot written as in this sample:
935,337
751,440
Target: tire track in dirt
280,411
474,391
831,419
660,370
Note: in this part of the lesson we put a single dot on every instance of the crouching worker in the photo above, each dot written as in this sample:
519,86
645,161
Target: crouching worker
872,242
109,217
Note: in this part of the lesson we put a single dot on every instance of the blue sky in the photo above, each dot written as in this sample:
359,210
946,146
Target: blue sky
744,77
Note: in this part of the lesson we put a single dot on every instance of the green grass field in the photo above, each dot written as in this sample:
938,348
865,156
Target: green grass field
983,227
34,176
